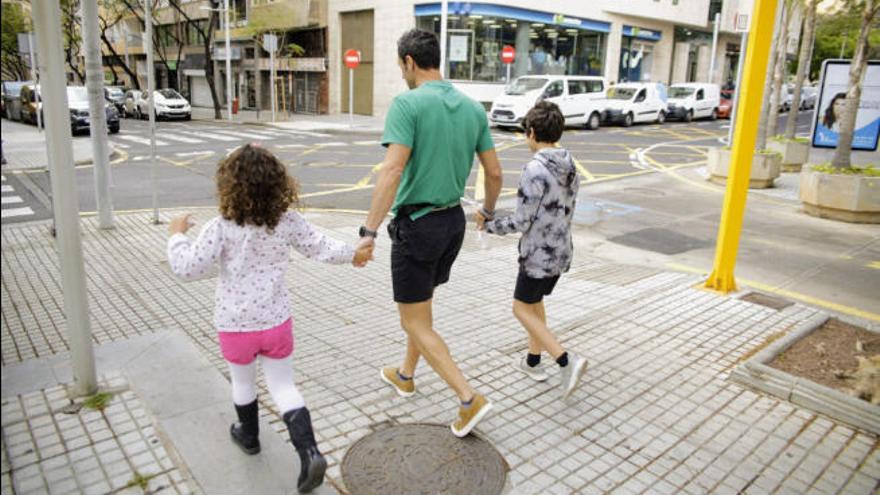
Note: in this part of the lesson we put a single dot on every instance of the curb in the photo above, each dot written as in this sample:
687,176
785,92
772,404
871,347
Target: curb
260,123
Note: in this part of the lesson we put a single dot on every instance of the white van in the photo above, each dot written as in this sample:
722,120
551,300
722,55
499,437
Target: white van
689,101
629,103
580,98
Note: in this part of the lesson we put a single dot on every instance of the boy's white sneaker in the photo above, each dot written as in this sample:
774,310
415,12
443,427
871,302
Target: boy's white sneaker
536,373
571,374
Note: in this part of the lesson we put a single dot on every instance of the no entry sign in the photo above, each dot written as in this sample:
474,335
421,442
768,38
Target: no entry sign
352,58
508,54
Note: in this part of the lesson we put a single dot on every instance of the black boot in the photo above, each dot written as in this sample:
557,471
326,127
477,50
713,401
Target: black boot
246,432
312,463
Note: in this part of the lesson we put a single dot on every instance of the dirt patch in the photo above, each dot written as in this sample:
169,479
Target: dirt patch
830,356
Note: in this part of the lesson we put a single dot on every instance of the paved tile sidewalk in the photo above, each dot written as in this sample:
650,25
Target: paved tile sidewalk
655,414
53,445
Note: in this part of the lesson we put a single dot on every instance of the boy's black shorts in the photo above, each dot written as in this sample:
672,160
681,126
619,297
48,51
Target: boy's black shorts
532,290
422,252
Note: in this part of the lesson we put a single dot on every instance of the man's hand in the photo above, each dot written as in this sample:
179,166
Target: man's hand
363,252
180,224
480,220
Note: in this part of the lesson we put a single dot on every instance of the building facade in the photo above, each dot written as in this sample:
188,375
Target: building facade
181,55
637,40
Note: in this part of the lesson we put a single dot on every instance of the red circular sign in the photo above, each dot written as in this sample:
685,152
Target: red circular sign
508,54
352,58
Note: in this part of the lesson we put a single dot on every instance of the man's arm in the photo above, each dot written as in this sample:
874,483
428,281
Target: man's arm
387,180
493,178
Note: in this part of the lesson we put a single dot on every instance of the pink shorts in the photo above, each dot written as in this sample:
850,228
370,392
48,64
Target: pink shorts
244,347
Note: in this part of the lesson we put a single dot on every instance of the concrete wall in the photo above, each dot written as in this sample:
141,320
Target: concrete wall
690,12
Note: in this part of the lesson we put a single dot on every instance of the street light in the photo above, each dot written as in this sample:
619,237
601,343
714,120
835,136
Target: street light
225,11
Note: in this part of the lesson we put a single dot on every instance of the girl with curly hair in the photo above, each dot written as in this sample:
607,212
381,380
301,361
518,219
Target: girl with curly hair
251,241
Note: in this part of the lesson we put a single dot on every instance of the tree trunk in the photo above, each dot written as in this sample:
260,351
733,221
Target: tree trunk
119,61
803,67
209,65
761,141
854,93
779,71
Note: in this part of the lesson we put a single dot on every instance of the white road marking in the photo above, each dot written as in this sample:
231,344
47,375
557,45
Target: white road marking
6,188
179,138
16,212
140,140
11,200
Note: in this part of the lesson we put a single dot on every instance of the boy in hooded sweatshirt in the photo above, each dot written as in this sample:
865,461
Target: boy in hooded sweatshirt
546,198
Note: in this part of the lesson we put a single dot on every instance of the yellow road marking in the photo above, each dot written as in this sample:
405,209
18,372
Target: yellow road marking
367,178
335,191
874,264
583,170
815,301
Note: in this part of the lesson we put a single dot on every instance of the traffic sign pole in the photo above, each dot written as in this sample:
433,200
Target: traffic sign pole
351,58
508,54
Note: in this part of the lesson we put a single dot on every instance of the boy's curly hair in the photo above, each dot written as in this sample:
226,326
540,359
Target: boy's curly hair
254,187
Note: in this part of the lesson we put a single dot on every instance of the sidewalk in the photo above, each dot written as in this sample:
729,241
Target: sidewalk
655,414
338,123
24,147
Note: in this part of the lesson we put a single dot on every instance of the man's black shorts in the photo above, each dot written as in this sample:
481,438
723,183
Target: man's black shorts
532,290
422,252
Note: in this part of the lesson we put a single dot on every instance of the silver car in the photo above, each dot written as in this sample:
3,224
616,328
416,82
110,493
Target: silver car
12,98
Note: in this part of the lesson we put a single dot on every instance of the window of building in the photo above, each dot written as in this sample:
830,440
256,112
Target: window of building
238,10
475,42
715,7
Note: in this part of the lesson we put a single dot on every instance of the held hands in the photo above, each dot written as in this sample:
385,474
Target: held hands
481,216
363,252
180,224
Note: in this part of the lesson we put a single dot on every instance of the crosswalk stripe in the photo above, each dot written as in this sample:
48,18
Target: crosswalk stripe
209,135
6,188
181,139
246,135
121,145
140,140
2,178
366,143
11,200
16,212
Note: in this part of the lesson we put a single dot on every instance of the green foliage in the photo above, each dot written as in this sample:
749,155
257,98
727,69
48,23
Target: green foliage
140,480
14,21
295,50
835,28
780,138
98,401
866,171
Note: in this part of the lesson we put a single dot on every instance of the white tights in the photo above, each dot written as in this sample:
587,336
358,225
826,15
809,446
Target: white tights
279,378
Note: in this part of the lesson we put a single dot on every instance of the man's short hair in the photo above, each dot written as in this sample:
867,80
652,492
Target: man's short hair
546,120
422,46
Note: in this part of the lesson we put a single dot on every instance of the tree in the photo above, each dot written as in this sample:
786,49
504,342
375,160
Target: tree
803,64
14,21
761,141
70,28
779,69
206,35
836,30
869,10
110,14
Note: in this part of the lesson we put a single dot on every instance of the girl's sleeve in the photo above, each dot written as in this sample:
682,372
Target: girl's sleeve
312,244
191,260
528,199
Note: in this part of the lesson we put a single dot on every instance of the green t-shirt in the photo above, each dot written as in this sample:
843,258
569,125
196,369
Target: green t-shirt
443,128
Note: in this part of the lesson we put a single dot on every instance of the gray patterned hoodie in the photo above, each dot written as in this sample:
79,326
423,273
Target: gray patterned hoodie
545,204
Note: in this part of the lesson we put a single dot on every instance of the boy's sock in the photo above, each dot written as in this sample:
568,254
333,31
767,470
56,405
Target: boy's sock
467,403
562,360
402,376
533,360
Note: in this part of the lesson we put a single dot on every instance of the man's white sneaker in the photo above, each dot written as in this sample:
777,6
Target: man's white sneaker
571,374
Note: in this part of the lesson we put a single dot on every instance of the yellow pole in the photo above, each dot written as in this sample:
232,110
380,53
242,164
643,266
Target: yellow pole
744,137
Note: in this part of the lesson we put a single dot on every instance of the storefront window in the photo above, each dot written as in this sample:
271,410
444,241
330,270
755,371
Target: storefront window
637,54
475,42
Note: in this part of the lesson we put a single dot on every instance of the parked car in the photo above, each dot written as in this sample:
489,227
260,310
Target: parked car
725,103
786,97
30,103
130,103
809,94
116,96
12,98
168,104
580,98
78,102
689,101
629,103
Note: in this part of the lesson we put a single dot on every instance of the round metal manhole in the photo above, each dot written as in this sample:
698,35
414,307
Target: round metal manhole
422,459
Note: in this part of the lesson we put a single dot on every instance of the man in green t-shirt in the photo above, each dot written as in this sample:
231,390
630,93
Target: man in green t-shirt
432,132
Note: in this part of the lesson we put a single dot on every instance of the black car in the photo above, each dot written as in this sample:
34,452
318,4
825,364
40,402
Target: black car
78,101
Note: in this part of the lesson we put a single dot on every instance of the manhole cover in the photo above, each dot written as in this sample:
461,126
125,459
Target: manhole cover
660,241
422,459
765,300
